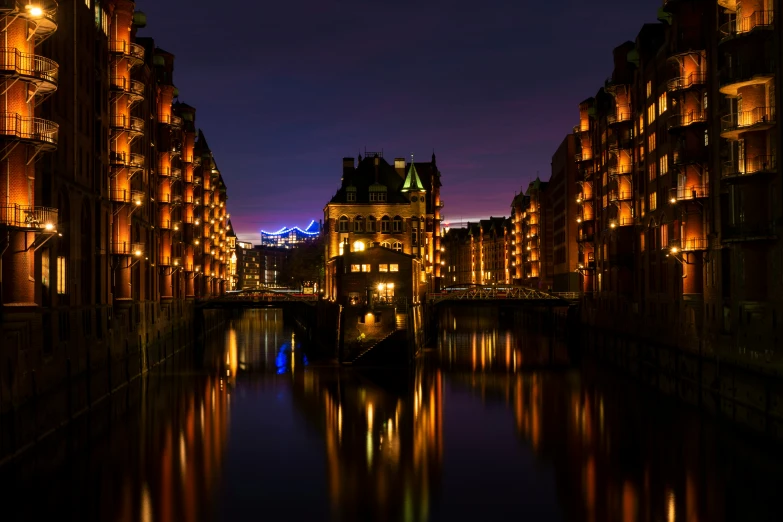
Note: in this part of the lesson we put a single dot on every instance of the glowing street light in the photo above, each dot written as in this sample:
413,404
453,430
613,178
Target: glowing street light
34,10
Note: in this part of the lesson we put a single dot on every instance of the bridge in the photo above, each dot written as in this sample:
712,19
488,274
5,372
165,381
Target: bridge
502,293
258,299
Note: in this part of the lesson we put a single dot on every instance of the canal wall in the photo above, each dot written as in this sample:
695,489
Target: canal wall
42,390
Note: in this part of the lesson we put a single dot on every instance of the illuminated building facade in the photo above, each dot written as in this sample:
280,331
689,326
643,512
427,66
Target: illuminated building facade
479,253
99,209
288,237
680,214
393,206
563,196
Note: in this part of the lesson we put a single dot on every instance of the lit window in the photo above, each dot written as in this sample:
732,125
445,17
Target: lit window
397,246
365,268
653,201
651,171
705,102
383,268
343,224
706,137
649,89
662,104
62,286
663,165
356,268
650,114
651,142
394,267
358,246
641,124
340,249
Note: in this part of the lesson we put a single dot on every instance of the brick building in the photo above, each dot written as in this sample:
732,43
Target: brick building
563,196
680,213
393,206
479,253
108,227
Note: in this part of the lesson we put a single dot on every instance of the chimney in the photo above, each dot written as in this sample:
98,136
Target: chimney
347,168
399,166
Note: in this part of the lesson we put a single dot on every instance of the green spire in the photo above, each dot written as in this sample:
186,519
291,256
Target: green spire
412,181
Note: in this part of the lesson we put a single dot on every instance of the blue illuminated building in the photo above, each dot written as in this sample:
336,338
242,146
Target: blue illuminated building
288,237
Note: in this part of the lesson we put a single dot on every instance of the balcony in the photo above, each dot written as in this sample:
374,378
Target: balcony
43,132
749,232
131,124
695,79
621,115
28,217
131,88
731,5
41,24
585,238
760,118
125,248
751,166
733,78
176,122
126,196
616,144
619,170
41,72
620,195
759,20
678,121
134,53
130,160
689,192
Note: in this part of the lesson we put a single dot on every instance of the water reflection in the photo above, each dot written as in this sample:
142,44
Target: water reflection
496,422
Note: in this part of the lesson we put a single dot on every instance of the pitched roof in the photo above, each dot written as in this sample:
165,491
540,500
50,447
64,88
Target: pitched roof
412,181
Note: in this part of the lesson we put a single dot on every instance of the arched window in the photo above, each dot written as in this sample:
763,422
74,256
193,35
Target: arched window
397,224
385,222
415,231
371,224
386,244
358,246
397,246
358,224
342,224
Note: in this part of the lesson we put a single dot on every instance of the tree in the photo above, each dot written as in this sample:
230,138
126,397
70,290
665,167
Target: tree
304,263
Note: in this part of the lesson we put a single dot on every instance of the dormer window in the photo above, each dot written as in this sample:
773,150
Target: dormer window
377,193
350,194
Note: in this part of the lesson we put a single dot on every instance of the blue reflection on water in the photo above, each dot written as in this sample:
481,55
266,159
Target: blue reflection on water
283,357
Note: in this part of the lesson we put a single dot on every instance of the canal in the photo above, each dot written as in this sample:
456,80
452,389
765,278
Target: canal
494,423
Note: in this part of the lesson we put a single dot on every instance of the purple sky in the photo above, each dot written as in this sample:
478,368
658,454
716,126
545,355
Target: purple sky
284,90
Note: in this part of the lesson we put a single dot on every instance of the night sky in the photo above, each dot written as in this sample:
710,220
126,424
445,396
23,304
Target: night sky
284,90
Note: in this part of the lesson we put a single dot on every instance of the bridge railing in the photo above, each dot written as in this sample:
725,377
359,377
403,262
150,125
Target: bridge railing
477,292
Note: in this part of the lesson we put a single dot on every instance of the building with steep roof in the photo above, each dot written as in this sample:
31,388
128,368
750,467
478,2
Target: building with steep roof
392,206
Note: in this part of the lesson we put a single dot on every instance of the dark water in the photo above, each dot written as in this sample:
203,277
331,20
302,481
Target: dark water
494,424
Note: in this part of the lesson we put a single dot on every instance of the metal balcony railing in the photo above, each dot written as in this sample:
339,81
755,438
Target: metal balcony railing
620,195
688,118
176,121
690,192
128,123
625,221
176,173
134,52
164,260
126,248
32,129
744,72
127,196
746,119
686,82
132,87
197,180
619,170
738,27
25,216
30,66
752,165
621,114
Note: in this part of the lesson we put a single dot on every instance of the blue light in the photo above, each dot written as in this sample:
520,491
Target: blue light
287,230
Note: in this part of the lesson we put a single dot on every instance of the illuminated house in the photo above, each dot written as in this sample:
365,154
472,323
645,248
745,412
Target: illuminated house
392,206
288,237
